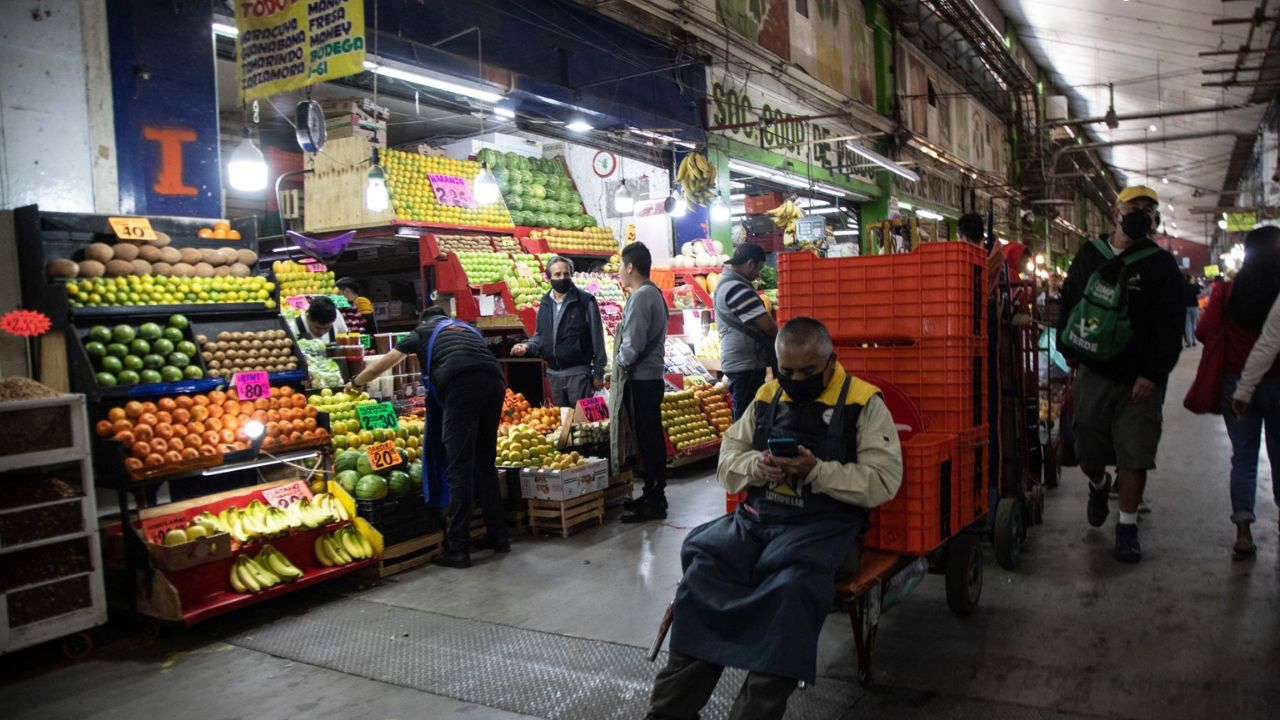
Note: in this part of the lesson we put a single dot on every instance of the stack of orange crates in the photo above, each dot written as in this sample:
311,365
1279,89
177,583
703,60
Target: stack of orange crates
917,320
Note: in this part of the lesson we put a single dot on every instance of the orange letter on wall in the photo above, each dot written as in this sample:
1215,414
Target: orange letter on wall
169,178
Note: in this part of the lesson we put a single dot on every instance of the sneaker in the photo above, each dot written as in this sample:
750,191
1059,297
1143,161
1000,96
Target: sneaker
1098,506
488,543
645,513
634,503
459,560
1127,548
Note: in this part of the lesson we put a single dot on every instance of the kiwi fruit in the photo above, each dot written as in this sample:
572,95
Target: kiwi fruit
202,339
161,268
183,269
92,268
246,256
162,239
150,253
204,270
125,251
229,255
117,268
141,267
190,256
61,269
101,252
170,255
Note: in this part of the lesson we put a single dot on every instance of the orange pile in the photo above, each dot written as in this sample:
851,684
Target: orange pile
514,408
173,429
221,230
543,420
715,405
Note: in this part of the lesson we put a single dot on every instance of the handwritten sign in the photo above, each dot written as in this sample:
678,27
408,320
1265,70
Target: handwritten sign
154,529
382,455
451,190
132,228
339,301
286,495
298,302
366,342
25,323
252,385
594,409
377,416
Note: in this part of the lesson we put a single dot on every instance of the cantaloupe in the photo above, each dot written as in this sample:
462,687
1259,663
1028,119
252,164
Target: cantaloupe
125,251
141,267
61,269
183,270
161,268
162,239
119,268
203,269
150,253
92,269
240,270
210,257
246,256
170,255
190,256
101,252
229,255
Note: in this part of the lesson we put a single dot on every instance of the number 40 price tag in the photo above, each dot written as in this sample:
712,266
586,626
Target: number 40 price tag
382,455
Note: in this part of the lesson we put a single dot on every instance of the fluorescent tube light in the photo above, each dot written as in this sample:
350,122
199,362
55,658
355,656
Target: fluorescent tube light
431,81
883,162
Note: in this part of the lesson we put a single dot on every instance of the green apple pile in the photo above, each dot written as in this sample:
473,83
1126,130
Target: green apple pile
527,291
341,406
538,191
684,421
143,354
485,267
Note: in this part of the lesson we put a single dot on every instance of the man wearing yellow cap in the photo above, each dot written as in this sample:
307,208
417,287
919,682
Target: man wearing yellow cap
1121,327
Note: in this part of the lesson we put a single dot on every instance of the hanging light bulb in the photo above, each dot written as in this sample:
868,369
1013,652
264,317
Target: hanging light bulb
623,201
485,186
676,205
719,210
376,197
246,170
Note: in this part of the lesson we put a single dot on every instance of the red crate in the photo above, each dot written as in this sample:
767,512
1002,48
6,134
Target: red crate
972,479
762,203
938,290
945,377
920,517
733,500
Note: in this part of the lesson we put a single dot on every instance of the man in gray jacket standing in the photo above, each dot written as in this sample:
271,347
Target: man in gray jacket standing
635,395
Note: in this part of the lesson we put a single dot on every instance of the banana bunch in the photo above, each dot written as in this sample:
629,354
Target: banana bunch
268,569
697,179
630,234
342,547
259,521
785,216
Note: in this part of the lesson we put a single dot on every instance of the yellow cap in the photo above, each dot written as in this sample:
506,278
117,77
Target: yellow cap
1133,192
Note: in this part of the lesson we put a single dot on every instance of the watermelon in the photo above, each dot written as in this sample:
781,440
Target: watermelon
589,221
415,471
538,191
347,479
526,177
539,179
398,483
347,460
363,466
515,202
371,487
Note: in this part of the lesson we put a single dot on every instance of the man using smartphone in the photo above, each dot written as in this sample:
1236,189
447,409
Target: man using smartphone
815,450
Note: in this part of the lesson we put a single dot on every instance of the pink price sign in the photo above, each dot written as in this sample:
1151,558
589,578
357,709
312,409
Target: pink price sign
252,385
452,190
286,495
594,409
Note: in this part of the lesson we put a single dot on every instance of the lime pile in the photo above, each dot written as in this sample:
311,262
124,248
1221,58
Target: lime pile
143,354
163,290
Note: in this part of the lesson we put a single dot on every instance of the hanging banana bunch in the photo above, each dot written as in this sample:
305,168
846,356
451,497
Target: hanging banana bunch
697,179
785,216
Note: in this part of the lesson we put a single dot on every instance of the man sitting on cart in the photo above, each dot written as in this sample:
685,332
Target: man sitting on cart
815,450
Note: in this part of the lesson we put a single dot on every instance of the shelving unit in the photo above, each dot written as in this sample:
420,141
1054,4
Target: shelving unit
37,608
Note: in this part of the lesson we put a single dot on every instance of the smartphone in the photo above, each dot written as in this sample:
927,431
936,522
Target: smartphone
784,447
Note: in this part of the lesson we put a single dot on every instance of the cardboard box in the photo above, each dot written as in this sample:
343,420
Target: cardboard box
356,118
542,484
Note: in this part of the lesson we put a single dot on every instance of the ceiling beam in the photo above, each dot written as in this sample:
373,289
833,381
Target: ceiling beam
1143,116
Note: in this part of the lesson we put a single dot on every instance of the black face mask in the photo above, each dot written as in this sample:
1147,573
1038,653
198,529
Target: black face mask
806,390
1137,224
562,285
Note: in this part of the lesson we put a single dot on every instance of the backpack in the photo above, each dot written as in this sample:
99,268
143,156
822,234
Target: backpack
1098,327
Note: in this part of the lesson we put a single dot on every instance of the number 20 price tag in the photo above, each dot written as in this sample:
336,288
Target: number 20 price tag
382,455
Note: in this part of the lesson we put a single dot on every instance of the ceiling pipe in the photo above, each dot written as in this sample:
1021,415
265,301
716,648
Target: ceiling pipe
1146,116
1057,154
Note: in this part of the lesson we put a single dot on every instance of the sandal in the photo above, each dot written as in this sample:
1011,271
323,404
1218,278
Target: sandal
1243,550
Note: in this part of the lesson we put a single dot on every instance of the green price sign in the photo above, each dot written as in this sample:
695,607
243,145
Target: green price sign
377,416
366,341
339,301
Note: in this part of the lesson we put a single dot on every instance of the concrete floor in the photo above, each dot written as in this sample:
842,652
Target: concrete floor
1188,633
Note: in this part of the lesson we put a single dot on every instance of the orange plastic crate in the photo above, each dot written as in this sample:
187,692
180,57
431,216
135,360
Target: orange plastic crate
972,479
938,290
920,517
946,377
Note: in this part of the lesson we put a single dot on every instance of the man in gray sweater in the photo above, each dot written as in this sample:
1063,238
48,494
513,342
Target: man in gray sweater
637,388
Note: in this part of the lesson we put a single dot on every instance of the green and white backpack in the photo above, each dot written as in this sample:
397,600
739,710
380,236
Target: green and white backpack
1098,327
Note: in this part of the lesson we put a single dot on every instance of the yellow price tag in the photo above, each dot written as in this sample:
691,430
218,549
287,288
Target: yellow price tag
382,455
132,228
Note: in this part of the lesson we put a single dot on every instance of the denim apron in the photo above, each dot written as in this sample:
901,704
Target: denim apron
435,480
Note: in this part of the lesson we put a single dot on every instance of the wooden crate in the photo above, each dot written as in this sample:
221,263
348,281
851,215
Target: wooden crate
410,554
517,523
334,191
566,516
618,493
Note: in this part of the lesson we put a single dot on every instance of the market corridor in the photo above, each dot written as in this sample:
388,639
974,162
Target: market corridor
558,629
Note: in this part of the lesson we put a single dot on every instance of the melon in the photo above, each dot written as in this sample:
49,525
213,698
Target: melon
398,483
125,251
347,479
371,487
346,460
363,466
62,268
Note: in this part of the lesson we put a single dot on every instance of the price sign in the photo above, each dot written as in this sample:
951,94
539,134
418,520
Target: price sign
154,529
451,190
377,416
366,342
132,228
339,301
286,495
25,323
298,302
382,455
594,409
252,385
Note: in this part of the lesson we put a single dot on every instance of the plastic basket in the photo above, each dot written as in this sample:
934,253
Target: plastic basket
945,377
971,480
938,290
920,517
